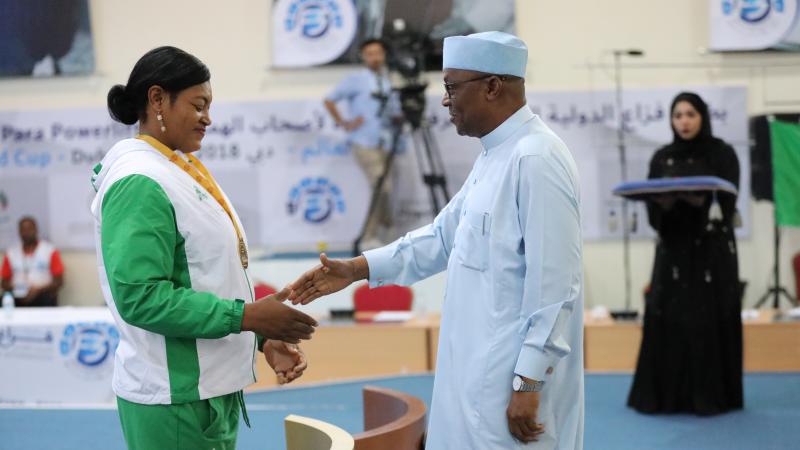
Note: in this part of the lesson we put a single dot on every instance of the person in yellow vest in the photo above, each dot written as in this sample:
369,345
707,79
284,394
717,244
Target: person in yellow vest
32,270
173,263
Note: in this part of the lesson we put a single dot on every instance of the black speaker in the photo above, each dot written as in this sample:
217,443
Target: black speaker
761,154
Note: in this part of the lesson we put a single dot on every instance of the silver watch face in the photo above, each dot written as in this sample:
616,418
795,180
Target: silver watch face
517,383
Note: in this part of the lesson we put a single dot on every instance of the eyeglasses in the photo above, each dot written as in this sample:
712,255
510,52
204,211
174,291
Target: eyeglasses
448,87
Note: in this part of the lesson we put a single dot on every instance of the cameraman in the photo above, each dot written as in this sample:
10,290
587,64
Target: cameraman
372,109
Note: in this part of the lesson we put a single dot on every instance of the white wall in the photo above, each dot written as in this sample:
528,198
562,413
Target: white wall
568,44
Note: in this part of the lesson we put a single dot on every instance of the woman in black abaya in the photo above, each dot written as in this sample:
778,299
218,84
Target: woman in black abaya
691,355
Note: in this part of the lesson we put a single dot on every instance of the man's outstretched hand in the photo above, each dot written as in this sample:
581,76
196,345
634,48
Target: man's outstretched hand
332,275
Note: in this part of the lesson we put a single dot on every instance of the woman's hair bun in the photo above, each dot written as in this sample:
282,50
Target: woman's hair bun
121,106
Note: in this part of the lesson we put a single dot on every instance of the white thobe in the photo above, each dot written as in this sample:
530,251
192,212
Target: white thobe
510,240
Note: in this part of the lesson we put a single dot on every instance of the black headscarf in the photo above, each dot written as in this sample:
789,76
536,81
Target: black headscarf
701,107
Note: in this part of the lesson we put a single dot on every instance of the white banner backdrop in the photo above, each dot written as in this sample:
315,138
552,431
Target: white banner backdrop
295,183
587,122
57,355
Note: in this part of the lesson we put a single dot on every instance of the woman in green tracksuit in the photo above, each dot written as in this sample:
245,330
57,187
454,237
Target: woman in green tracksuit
172,259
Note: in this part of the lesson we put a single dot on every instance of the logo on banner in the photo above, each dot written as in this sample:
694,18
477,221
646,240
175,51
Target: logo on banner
316,199
88,345
311,32
753,24
313,18
752,11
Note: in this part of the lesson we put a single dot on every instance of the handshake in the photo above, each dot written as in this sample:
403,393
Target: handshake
283,327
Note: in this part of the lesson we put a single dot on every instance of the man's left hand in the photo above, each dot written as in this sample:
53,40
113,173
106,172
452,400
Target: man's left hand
521,414
287,360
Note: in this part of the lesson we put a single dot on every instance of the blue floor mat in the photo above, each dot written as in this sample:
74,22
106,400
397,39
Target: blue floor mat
770,420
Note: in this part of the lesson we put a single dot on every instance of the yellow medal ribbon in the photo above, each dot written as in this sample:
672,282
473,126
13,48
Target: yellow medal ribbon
203,177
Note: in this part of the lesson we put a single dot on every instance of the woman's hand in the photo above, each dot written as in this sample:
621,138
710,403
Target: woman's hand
271,318
287,360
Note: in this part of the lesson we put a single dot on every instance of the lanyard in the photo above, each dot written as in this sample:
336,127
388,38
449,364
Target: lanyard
199,172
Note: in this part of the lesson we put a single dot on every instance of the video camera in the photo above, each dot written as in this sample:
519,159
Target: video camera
406,58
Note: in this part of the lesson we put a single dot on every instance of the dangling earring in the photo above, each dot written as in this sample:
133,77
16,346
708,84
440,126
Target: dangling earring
160,119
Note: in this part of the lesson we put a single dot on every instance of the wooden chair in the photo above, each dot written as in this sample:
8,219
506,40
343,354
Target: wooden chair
262,289
304,433
392,420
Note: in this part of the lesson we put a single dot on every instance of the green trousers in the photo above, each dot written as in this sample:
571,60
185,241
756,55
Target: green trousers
210,424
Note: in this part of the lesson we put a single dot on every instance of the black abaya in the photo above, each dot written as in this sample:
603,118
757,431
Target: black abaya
691,354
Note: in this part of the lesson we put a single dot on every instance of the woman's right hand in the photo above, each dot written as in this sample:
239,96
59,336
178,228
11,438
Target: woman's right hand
271,318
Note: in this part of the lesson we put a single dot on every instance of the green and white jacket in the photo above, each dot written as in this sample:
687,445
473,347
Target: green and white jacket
169,269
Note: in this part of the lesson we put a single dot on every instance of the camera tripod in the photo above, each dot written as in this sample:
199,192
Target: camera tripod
429,158
776,290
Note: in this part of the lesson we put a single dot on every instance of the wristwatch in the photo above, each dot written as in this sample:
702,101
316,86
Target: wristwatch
519,385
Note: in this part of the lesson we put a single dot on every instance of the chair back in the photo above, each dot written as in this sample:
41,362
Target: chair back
262,290
392,420
305,433
384,298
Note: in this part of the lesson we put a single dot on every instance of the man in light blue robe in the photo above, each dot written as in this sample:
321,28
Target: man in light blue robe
509,372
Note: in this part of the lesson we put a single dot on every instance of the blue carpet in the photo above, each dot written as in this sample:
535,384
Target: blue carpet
770,420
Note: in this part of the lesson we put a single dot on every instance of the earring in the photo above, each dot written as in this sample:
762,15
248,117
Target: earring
160,119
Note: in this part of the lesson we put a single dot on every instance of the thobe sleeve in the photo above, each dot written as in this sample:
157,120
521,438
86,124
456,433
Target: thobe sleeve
420,253
550,222
144,257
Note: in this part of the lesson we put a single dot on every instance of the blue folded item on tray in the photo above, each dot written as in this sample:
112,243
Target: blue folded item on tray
642,190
